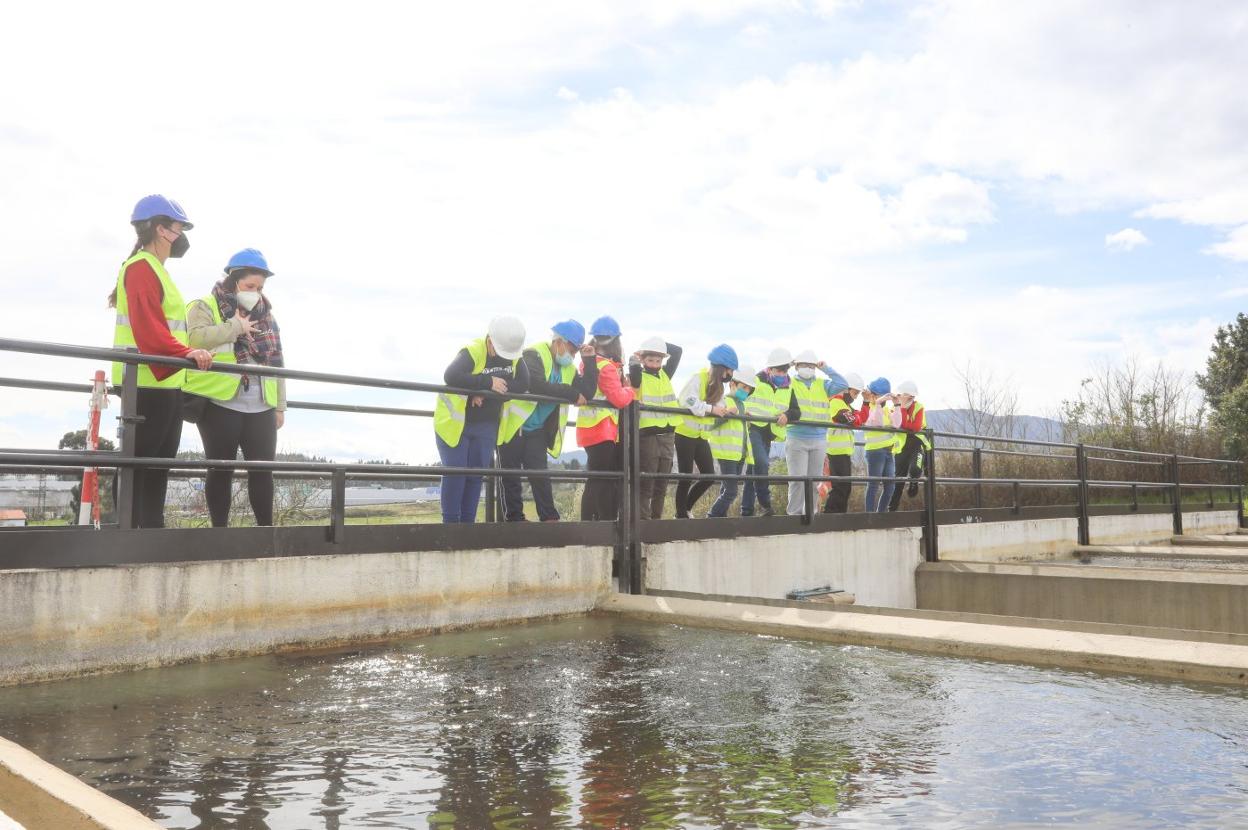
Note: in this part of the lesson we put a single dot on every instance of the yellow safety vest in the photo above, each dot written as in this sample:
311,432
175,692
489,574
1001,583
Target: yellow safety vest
901,436
448,413
174,308
694,426
591,416
728,439
876,440
656,390
840,441
770,402
813,401
515,413
222,386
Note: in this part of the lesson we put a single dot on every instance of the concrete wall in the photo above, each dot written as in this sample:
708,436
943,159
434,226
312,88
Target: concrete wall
1212,522
71,621
1027,540
1185,599
877,566
1130,529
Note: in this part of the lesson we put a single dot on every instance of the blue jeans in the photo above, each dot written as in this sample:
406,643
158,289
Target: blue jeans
760,444
880,463
460,494
727,489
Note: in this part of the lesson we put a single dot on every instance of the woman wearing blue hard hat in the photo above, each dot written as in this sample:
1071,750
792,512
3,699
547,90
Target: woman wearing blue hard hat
598,427
703,396
151,318
878,411
235,322
531,431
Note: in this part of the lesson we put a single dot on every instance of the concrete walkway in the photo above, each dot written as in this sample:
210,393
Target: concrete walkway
1184,659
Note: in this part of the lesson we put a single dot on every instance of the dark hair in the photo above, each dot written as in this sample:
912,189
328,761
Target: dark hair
145,232
715,384
609,347
230,281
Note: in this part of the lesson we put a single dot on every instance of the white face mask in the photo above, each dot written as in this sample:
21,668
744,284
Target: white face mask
806,372
247,299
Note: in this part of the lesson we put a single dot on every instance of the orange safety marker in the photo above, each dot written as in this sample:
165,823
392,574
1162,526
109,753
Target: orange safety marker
89,509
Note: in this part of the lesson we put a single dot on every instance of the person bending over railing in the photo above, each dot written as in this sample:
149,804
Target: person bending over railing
467,428
530,430
912,447
652,379
703,394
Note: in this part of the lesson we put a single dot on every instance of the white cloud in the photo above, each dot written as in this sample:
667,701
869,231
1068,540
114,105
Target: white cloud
1235,247
1127,239
565,94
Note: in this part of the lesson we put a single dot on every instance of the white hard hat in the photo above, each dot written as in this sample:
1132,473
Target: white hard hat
507,335
908,387
745,374
779,357
656,345
853,380
807,356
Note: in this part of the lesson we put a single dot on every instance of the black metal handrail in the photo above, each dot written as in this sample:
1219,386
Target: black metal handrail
627,534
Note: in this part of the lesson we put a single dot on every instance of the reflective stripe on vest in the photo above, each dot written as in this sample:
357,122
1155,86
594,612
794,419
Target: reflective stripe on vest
813,401
656,390
840,441
764,404
695,426
591,416
448,413
919,434
222,386
876,440
174,309
515,413
728,440
781,398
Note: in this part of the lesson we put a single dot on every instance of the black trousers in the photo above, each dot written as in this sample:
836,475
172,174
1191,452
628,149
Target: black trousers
838,496
601,502
527,451
691,452
224,432
906,468
156,436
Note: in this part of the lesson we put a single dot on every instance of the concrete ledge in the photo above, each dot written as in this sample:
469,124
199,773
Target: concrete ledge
1166,597
73,621
1191,554
41,796
1188,660
1226,540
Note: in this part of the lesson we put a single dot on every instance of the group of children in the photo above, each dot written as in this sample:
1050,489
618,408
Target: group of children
797,400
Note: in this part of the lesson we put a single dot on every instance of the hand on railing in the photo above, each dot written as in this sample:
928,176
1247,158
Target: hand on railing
202,357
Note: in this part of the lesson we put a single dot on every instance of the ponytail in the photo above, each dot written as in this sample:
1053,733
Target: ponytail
146,232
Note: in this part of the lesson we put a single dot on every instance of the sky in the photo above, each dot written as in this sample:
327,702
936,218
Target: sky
904,187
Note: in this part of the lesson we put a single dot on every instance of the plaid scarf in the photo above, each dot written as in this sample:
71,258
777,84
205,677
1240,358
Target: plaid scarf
264,347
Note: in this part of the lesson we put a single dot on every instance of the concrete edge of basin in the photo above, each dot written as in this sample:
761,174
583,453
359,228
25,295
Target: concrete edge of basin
37,794
1177,659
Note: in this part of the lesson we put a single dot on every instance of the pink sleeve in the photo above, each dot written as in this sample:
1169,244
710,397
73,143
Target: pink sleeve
896,418
615,392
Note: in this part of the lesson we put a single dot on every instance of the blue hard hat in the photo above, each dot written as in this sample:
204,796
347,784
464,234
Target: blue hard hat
149,207
880,386
605,327
723,355
571,331
251,259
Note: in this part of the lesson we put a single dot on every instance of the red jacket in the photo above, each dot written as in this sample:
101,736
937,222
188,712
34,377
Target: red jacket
914,418
144,295
612,387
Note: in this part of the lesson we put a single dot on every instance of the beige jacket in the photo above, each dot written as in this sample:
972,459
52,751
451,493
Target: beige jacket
204,334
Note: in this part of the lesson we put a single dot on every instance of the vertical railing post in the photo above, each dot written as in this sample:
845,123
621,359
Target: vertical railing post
1015,487
337,505
808,500
977,473
627,568
491,491
1239,505
1211,500
1081,472
1135,497
632,495
123,500
931,542
1176,473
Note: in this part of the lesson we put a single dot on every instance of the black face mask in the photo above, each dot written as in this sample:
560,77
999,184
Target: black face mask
179,246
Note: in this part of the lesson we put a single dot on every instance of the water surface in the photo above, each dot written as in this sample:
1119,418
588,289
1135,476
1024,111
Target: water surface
609,723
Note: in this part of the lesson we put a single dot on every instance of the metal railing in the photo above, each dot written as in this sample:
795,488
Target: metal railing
628,534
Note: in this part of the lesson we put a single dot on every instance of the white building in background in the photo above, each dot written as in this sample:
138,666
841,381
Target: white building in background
40,497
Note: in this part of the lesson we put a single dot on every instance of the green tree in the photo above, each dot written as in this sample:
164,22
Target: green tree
1225,384
78,441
